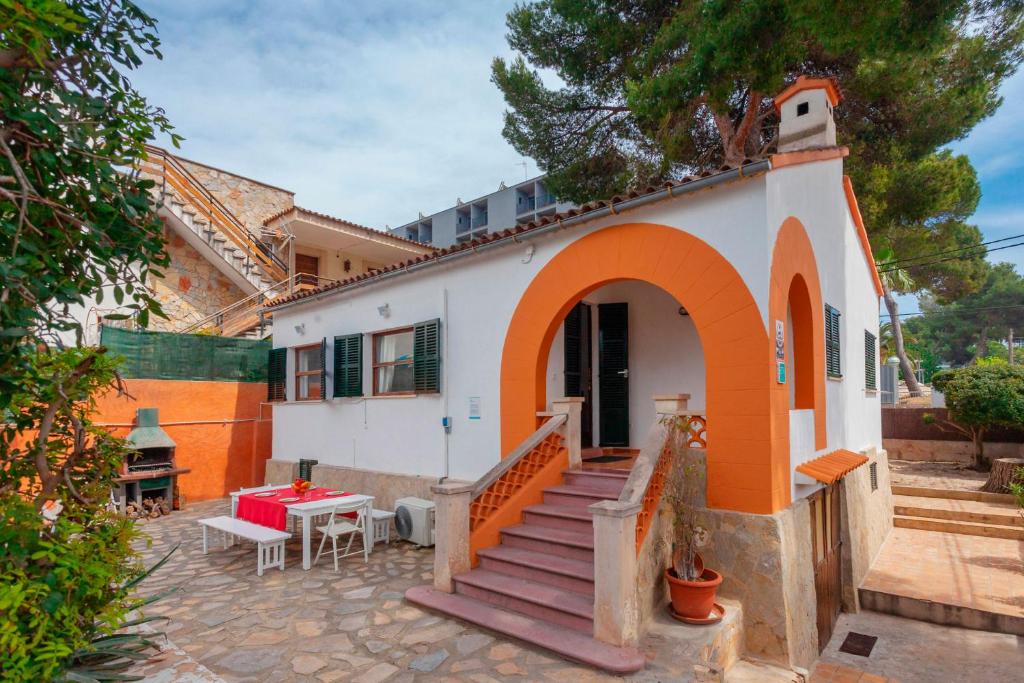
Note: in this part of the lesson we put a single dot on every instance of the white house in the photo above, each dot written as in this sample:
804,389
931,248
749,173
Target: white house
746,299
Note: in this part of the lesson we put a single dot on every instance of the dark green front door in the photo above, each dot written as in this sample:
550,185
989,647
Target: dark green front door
613,373
578,375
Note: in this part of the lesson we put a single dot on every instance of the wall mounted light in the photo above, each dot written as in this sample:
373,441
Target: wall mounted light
384,311
300,328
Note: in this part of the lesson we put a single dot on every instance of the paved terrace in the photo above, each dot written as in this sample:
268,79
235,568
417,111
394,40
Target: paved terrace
354,625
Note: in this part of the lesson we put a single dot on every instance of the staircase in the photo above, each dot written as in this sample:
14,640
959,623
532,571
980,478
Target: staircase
210,227
537,585
972,513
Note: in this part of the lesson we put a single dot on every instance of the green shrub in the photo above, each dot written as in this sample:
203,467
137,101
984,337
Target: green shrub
980,397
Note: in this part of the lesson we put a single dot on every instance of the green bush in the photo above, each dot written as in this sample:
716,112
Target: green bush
66,561
980,397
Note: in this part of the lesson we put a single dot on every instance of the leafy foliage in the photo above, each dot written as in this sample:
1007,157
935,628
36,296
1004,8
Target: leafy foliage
60,576
73,217
75,220
653,90
981,397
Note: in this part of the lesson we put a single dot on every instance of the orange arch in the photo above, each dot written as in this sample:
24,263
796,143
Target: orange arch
795,284
746,470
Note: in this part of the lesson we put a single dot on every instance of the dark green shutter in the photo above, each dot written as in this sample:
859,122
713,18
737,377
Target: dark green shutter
573,340
870,362
833,366
348,366
277,374
426,356
323,368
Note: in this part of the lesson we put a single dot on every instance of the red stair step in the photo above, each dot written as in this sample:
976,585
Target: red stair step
567,574
566,642
533,599
576,496
607,482
559,542
570,518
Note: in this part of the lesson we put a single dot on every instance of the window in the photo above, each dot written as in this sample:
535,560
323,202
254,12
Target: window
393,362
803,108
348,366
277,372
870,362
309,372
833,367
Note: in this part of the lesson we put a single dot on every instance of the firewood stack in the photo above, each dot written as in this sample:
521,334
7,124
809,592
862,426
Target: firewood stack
151,508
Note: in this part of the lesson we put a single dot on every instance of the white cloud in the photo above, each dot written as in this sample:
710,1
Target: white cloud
368,112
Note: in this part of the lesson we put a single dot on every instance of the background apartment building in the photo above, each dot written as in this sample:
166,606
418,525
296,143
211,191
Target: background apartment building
509,206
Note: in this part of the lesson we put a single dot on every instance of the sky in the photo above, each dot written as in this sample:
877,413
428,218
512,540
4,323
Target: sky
374,112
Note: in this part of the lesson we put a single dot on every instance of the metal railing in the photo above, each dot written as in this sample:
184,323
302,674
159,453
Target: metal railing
171,171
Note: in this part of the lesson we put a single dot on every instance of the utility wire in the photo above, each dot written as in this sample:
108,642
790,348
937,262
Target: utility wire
943,311
950,258
895,262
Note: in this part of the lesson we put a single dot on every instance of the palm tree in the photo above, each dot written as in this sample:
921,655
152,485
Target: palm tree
900,280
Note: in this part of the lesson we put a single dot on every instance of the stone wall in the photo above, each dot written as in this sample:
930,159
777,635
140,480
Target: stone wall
384,487
765,561
866,521
948,451
252,202
191,287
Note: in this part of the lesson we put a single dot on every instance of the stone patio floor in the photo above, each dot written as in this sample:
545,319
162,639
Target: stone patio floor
955,569
935,475
228,624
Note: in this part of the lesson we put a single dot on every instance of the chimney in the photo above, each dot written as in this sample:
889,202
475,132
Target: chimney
805,114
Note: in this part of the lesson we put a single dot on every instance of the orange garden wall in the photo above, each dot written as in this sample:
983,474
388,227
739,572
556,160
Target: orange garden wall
222,429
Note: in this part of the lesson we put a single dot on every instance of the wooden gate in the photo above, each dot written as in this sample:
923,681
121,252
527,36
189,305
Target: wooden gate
828,577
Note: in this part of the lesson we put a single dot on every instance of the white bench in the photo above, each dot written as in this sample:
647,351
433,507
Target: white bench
382,526
269,542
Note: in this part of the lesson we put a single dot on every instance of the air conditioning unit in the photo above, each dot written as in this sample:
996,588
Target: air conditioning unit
414,520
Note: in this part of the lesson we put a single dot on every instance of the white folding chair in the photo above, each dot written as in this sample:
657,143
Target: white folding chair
338,525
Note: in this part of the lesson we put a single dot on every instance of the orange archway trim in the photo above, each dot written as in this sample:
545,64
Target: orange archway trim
794,269
748,457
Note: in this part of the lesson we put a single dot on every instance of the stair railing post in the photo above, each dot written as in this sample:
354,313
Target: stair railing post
451,537
670,404
572,407
616,610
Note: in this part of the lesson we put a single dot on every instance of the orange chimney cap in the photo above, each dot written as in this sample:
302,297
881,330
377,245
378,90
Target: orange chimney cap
802,83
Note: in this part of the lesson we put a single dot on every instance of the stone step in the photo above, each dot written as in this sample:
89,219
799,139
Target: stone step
560,572
943,613
953,494
566,642
533,599
953,527
576,496
599,481
958,510
574,545
570,518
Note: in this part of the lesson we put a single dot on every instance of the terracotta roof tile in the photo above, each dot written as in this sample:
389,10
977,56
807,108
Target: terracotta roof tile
492,237
374,231
830,468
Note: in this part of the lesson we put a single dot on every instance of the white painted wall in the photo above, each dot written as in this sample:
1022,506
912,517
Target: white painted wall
814,194
740,220
665,354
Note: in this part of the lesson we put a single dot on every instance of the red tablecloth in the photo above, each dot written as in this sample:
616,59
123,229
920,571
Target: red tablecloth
270,511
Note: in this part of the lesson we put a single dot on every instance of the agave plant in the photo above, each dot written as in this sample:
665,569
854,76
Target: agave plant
113,652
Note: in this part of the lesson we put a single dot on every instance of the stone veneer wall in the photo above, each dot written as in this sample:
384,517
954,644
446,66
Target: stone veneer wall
191,287
252,202
384,487
866,521
929,450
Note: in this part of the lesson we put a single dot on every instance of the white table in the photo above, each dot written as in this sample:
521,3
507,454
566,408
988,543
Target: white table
308,510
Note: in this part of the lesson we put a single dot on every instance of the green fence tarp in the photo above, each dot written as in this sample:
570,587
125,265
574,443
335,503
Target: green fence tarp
169,355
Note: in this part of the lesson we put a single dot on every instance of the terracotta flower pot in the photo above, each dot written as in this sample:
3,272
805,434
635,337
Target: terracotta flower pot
693,599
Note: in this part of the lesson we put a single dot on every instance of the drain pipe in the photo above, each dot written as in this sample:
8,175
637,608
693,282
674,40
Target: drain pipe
446,419
739,173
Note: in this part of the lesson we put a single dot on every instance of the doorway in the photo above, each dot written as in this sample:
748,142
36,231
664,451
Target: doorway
613,374
828,576
579,378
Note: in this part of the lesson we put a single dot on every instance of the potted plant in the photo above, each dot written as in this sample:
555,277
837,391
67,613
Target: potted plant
691,585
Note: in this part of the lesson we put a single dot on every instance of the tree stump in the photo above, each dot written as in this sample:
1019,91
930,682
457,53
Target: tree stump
1003,472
